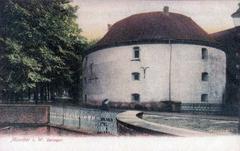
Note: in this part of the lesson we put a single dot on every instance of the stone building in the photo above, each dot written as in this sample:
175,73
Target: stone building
152,57
230,40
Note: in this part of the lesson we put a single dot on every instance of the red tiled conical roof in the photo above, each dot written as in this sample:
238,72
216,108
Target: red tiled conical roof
153,27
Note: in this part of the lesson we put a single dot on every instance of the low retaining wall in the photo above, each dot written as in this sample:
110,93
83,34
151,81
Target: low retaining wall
24,114
202,108
160,106
87,120
130,123
128,126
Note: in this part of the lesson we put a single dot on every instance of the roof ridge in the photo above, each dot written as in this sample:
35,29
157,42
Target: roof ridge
155,12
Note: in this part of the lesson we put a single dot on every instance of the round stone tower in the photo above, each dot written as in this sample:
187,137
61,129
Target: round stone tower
152,57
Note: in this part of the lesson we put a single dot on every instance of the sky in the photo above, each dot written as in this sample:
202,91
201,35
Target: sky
95,15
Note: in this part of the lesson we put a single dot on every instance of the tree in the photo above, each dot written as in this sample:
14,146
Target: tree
40,46
92,42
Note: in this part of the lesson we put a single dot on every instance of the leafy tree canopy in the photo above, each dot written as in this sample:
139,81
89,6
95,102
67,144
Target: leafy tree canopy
40,42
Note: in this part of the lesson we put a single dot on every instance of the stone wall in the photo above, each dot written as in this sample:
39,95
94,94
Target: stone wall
89,120
200,108
131,123
24,114
125,129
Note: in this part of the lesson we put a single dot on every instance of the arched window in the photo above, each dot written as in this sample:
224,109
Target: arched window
136,76
204,76
204,53
204,98
135,97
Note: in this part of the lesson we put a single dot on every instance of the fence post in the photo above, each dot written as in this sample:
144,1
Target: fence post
79,119
238,116
63,115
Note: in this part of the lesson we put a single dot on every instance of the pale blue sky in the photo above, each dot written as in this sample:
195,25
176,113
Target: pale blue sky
211,15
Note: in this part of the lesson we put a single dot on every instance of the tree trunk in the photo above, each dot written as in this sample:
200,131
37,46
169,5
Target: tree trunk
41,92
45,92
21,95
29,94
52,92
36,94
48,91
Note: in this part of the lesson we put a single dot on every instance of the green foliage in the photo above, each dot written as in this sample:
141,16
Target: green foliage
92,42
40,42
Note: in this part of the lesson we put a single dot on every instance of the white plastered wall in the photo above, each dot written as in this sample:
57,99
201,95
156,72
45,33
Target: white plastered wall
112,68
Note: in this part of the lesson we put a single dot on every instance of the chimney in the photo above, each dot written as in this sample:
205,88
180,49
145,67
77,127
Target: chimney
236,17
166,10
109,26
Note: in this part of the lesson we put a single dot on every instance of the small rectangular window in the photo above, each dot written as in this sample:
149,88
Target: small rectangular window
204,98
136,76
136,53
204,76
135,97
204,53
